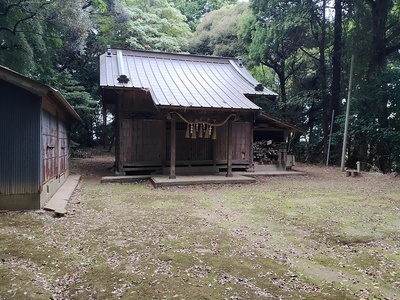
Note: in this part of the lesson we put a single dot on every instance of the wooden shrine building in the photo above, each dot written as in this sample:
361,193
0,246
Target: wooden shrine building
180,113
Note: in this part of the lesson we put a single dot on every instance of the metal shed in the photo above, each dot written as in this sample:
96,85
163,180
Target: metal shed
35,121
180,113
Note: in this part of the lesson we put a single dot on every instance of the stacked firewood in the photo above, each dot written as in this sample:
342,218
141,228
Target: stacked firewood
266,151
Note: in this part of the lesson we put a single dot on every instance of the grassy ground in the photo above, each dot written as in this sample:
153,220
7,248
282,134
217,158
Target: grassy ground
320,236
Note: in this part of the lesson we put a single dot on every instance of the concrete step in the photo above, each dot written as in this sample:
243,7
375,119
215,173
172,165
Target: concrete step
59,201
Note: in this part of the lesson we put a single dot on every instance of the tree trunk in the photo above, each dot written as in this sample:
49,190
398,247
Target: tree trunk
282,86
323,82
377,61
381,48
337,61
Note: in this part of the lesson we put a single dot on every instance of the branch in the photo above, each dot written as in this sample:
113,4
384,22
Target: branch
88,4
393,35
17,23
309,54
371,3
269,65
293,68
99,4
8,8
391,49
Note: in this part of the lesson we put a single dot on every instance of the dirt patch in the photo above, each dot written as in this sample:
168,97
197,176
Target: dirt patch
319,236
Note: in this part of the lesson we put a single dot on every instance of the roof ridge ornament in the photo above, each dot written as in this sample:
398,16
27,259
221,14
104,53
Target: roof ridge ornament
123,78
240,61
259,87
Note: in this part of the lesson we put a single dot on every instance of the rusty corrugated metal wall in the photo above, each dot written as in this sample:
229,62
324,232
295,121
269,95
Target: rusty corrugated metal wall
20,140
63,147
49,146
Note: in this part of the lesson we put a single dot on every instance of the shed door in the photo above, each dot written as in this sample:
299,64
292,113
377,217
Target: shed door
63,147
55,148
49,146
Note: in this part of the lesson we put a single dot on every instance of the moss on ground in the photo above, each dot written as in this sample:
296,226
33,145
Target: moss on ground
280,238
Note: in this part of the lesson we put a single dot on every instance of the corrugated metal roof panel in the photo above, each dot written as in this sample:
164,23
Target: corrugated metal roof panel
181,79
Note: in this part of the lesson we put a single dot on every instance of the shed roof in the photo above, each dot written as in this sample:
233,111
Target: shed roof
39,89
182,80
268,119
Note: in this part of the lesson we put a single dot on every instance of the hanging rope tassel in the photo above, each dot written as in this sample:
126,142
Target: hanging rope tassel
207,133
193,131
201,128
214,134
187,134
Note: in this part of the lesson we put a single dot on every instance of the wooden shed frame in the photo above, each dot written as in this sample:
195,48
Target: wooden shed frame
35,127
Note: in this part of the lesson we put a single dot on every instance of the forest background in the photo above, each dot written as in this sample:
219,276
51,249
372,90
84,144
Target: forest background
301,49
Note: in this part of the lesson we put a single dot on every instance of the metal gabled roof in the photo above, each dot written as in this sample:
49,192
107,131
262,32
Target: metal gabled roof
182,80
39,89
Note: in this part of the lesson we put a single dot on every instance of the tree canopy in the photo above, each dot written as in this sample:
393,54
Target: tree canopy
300,48
308,45
217,32
196,10
156,24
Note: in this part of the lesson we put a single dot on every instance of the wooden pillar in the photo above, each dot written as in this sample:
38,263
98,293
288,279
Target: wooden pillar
229,151
118,135
285,139
172,174
104,113
251,150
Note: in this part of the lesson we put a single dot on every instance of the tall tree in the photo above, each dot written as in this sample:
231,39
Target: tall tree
23,34
217,34
53,31
385,34
157,25
337,59
290,37
47,40
376,56
196,10
277,35
83,102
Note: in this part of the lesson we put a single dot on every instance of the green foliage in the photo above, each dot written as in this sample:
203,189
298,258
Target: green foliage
38,36
21,35
217,34
275,36
156,25
196,10
376,121
100,4
58,43
266,76
287,44
82,102
293,39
